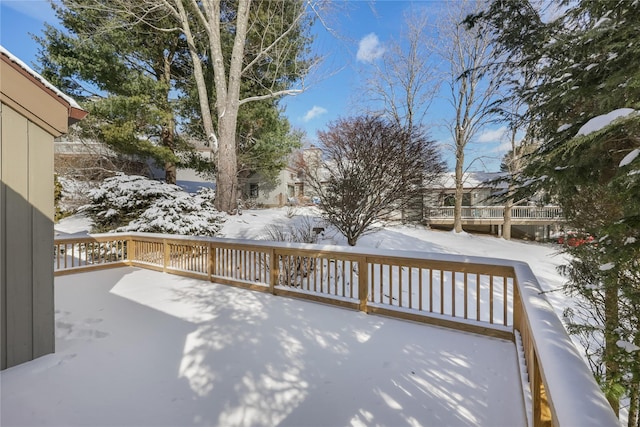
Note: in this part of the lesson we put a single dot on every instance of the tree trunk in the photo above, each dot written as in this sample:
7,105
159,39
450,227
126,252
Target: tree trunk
457,209
634,405
170,173
610,346
167,141
506,229
227,178
227,102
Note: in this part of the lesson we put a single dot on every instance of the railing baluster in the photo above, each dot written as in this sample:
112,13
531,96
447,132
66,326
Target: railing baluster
390,283
381,283
465,301
453,293
420,285
343,278
371,281
441,292
430,290
478,297
400,286
491,300
410,287
504,300
350,279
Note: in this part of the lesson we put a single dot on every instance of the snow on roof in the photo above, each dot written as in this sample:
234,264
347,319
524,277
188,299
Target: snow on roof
470,180
72,103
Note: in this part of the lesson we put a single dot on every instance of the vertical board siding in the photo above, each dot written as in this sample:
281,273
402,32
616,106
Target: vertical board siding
27,302
42,203
18,304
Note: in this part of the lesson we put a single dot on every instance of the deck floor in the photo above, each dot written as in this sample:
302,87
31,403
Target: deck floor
137,347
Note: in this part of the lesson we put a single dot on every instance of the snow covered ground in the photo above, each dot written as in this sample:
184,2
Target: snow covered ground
136,347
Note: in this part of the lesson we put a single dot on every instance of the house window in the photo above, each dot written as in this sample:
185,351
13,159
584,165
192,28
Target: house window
448,200
253,191
291,191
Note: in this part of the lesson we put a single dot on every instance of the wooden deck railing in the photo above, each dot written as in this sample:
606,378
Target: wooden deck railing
529,213
498,298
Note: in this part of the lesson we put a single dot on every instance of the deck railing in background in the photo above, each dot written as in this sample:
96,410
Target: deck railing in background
531,213
499,298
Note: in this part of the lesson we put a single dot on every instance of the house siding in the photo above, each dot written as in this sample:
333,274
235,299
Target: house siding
32,113
26,218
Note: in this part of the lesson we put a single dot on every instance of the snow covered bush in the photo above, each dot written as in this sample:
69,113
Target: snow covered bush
136,203
186,214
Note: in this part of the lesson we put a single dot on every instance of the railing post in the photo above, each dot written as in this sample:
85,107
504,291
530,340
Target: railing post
274,270
167,255
363,283
541,410
130,250
211,261
517,307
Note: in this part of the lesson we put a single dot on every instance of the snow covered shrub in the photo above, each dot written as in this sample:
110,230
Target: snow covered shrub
186,214
74,195
136,203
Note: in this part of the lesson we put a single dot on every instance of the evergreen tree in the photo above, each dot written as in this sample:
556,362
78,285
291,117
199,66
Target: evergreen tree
123,73
584,73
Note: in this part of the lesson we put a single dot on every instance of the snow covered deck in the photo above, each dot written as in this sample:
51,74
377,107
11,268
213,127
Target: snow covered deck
138,347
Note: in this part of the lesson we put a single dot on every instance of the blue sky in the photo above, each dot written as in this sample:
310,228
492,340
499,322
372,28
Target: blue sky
361,31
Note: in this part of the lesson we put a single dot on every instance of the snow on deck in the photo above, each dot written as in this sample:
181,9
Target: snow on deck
137,347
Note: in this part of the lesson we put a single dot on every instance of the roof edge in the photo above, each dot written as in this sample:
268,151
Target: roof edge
75,111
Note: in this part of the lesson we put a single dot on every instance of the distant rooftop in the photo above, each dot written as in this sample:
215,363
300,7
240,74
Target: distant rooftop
470,180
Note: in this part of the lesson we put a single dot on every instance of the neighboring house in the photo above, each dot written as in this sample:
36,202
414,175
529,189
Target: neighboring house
289,187
478,187
482,212
91,160
33,113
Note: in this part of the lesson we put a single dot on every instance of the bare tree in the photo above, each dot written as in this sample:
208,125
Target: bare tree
514,161
403,84
472,89
360,178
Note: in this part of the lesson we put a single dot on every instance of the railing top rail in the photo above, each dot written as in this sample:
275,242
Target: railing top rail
499,206
561,365
388,254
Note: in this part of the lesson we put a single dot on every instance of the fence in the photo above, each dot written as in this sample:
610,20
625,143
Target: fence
498,298
529,213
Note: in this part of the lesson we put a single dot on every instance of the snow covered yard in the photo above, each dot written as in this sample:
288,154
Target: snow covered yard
136,347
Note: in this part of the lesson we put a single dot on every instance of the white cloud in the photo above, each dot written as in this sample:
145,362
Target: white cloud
39,10
313,113
369,48
492,135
